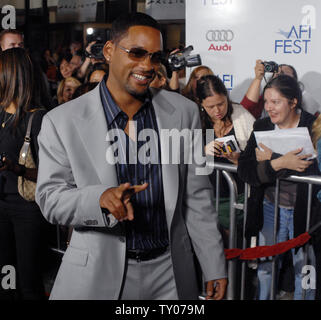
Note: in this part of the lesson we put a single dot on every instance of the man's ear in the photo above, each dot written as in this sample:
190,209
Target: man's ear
108,51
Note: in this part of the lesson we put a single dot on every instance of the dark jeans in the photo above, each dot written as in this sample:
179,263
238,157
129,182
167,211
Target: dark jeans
22,244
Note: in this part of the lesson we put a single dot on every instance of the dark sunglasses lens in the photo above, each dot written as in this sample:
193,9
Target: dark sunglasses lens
137,53
157,57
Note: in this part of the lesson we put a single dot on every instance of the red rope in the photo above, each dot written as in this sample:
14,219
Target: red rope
267,251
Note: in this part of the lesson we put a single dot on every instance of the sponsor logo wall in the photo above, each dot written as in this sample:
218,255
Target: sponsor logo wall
230,35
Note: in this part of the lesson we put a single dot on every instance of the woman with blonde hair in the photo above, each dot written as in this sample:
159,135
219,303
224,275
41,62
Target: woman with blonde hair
190,89
66,89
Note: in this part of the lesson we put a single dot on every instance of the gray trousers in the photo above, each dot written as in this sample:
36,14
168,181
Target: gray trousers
149,280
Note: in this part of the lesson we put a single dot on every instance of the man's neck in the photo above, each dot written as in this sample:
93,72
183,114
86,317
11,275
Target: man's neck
126,102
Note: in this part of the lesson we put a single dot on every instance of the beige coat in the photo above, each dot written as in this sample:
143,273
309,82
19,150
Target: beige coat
243,124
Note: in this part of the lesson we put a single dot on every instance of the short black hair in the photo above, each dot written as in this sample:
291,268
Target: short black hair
121,25
288,87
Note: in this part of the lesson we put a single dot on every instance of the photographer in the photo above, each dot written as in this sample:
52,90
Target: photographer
253,100
92,58
177,62
22,226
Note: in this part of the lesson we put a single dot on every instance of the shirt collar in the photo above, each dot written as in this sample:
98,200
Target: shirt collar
112,110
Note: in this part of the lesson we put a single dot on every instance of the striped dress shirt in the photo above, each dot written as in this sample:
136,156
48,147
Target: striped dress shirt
149,229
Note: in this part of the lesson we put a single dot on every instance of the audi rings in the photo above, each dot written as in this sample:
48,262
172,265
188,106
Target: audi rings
220,35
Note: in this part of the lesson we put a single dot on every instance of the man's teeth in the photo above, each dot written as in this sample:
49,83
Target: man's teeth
139,77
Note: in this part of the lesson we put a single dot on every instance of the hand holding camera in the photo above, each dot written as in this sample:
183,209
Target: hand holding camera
259,70
95,50
222,149
270,66
214,148
183,58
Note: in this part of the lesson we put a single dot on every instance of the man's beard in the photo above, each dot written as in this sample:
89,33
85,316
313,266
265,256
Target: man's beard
142,94
138,95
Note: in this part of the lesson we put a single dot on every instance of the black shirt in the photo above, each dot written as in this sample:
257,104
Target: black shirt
11,142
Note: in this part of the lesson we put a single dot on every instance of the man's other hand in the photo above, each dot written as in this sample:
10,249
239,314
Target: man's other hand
215,289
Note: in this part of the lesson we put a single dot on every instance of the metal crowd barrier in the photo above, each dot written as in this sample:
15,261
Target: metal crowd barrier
226,170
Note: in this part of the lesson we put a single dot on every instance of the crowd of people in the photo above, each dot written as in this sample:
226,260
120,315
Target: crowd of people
67,186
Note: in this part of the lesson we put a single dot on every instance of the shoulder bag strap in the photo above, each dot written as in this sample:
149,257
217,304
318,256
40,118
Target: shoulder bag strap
26,144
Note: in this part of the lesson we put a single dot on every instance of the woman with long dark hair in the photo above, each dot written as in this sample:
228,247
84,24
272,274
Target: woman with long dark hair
226,119
22,225
261,167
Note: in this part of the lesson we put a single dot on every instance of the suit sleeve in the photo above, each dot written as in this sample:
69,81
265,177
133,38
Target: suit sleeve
202,220
57,195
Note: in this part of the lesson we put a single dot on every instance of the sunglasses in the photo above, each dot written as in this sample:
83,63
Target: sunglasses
141,54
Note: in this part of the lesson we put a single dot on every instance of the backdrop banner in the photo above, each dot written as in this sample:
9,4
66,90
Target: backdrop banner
230,35
165,9
76,10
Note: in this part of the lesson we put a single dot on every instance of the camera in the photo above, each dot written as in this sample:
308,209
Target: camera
96,50
228,146
2,155
270,66
182,59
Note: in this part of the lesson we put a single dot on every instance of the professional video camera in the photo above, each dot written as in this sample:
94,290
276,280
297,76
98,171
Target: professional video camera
182,59
270,66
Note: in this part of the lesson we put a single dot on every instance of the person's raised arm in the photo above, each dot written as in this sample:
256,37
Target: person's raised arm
252,96
83,68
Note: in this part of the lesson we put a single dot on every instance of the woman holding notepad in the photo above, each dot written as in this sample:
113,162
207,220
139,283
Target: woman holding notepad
260,167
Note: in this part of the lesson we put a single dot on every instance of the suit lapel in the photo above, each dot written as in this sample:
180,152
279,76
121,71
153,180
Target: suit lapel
166,116
92,129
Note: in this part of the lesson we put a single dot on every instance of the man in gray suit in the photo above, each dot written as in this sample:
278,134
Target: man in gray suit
137,224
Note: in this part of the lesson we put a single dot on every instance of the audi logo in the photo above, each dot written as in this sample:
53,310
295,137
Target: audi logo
220,35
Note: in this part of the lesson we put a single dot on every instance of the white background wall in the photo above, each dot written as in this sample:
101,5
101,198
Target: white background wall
257,27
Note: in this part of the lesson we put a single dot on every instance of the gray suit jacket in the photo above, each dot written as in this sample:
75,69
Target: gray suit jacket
73,173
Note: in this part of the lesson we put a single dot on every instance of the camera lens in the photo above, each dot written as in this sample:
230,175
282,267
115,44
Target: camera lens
268,68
